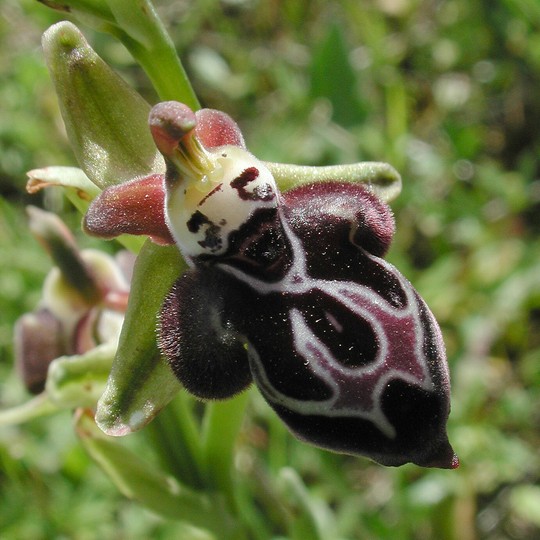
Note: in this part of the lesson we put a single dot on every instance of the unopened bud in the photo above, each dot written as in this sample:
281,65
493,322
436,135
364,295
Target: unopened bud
37,342
105,119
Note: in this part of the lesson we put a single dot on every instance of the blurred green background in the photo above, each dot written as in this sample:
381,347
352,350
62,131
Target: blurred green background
446,91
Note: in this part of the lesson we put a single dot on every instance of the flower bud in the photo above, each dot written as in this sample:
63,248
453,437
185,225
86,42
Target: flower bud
105,119
60,244
37,342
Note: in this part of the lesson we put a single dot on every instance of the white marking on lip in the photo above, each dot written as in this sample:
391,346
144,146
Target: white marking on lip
365,303
334,322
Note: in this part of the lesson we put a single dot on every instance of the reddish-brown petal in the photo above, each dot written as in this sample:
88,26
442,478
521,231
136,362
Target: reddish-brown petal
135,207
215,128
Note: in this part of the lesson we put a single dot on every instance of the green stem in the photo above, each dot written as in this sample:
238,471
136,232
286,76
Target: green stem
144,35
178,442
168,75
39,406
222,423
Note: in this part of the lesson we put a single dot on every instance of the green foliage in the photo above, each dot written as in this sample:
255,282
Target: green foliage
445,92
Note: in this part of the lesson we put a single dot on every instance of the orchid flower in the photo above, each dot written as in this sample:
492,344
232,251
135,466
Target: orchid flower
289,290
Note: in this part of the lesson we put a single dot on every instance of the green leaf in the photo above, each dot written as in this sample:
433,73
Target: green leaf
105,119
312,519
333,78
176,437
140,481
223,420
141,383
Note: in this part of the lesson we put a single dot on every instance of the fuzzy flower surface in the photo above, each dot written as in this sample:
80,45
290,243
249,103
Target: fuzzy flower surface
287,289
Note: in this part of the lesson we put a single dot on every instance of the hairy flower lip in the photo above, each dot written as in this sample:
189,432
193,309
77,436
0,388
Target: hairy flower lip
195,146
442,457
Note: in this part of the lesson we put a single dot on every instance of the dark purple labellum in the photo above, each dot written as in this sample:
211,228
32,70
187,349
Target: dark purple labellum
338,341
214,365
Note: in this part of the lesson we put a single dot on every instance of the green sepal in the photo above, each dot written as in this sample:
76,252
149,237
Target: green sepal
136,24
380,178
105,119
141,383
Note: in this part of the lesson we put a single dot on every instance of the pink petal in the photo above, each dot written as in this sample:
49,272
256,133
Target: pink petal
215,128
135,207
